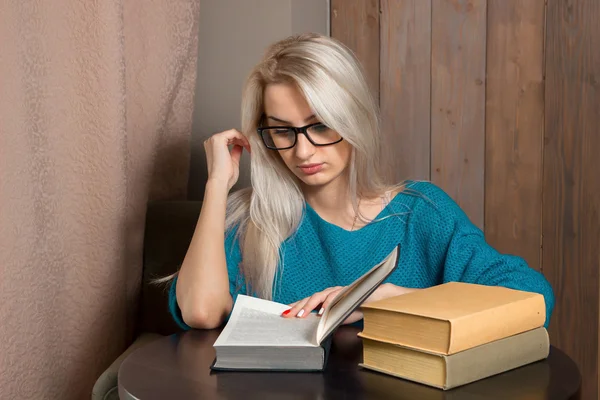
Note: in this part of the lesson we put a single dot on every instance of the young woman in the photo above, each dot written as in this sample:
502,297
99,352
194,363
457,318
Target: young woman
318,213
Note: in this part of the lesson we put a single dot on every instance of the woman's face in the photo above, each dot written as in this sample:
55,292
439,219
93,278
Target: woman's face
313,165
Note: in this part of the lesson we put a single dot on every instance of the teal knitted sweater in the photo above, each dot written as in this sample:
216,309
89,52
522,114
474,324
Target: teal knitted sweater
438,244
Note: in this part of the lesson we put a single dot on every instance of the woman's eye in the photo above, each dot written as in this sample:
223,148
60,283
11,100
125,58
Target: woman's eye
320,128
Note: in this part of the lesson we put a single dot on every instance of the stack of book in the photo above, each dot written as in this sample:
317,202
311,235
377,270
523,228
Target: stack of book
454,334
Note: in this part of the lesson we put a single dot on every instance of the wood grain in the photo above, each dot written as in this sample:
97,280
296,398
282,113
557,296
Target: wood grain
405,86
571,184
356,24
514,127
458,102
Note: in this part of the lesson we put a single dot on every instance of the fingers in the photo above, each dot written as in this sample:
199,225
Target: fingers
241,143
316,301
236,153
329,299
294,303
296,308
305,306
229,137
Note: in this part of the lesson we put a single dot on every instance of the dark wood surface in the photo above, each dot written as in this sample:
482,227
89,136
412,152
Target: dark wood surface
178,367
571,201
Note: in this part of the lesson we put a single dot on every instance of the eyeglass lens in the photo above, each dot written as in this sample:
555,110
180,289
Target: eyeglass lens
281,138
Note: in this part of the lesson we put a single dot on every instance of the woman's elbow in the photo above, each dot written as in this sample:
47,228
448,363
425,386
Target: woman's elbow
200,319
538,283
550,302
204,317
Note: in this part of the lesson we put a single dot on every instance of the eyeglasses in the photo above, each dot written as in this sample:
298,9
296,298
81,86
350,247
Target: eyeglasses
286,137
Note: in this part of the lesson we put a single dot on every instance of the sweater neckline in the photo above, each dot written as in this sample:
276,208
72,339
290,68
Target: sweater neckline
346,231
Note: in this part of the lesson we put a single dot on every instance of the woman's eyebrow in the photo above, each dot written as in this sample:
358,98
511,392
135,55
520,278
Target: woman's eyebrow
287,122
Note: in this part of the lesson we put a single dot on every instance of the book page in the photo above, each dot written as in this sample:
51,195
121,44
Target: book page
353,295
257,322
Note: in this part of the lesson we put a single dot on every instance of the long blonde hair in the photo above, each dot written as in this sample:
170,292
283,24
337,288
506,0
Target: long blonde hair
269,212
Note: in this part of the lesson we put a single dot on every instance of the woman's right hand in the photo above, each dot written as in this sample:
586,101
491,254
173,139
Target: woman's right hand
223,165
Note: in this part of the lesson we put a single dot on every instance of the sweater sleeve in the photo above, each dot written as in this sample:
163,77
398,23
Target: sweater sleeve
465,256
233,258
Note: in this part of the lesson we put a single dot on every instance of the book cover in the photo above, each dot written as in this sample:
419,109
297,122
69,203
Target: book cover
454,316
450,371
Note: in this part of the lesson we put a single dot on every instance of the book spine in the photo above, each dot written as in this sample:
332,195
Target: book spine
490,325
496,357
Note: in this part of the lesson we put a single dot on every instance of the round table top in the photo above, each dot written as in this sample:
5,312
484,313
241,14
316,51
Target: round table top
178,367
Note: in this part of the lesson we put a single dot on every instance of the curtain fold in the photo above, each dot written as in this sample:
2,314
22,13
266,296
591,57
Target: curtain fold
96,102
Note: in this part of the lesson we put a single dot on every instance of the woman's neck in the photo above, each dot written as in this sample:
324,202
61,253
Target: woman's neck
333,204
332,198
328,200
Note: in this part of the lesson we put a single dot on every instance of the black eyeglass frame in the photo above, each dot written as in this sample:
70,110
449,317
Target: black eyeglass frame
297,131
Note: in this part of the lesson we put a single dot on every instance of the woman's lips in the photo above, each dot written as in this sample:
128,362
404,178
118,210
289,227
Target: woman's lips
310,169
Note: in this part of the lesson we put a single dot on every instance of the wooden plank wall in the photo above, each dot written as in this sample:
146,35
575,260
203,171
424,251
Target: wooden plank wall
571,179
515,127
498,102
405,96
458,101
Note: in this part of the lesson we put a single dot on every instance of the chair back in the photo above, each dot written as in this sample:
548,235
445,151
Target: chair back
168,233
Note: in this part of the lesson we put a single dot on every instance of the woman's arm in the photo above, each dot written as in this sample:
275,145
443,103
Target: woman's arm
202,286
471,259
464,255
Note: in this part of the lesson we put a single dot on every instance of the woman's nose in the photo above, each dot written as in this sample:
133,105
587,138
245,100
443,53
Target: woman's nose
304,148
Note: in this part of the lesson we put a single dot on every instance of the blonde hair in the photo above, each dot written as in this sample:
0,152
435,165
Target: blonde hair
330,77
268,212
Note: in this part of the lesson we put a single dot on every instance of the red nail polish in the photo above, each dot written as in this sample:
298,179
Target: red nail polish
286,312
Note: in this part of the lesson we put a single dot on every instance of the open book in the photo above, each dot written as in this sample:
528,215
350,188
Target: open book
256,337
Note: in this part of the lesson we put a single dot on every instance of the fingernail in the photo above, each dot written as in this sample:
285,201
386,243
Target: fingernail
321,311
286,312
301,313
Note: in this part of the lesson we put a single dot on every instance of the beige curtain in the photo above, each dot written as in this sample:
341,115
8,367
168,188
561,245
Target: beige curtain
96,101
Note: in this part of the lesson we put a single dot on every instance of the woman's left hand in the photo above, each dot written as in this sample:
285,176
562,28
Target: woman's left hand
322,300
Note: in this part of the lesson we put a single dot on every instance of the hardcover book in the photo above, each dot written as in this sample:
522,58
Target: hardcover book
257,338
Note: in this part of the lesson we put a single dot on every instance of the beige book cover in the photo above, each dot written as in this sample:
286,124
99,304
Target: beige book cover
531,382
450,371
454,316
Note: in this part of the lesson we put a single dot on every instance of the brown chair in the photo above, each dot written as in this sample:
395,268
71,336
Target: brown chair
169,229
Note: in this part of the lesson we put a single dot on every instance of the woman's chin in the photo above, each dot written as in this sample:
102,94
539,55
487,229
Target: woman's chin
318,179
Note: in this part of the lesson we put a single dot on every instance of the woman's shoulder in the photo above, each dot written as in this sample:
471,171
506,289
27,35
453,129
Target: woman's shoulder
427,201
423,192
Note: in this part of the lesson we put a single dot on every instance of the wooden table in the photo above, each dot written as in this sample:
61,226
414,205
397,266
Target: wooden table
177,367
